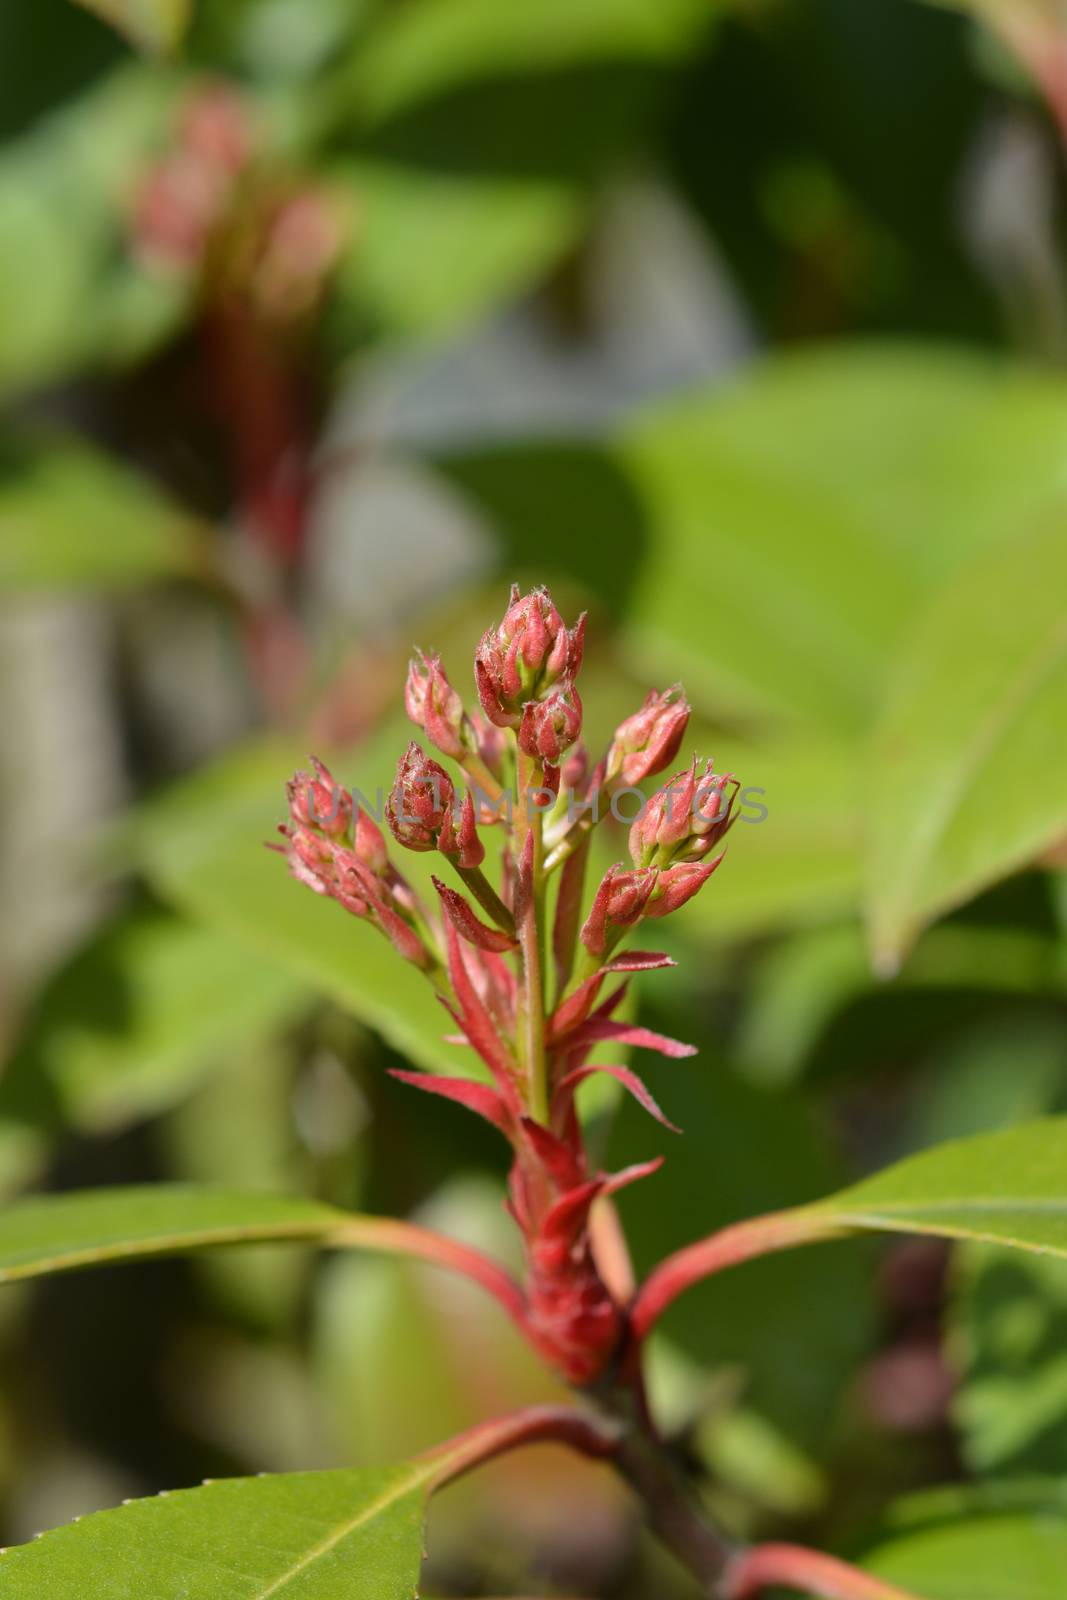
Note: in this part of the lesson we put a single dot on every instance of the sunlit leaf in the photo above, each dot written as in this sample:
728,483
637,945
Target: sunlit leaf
353,1535
1005,1555
969,776
1008,1188
58,1233
153,25
799,518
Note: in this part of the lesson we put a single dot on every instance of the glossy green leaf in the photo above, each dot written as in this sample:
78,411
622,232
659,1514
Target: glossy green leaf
71,517
1007,1188
353,1535
799,518
202,844
968,780
155,26
129,1025
62,1232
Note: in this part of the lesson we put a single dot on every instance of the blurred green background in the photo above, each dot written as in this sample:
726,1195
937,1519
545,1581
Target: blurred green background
742,325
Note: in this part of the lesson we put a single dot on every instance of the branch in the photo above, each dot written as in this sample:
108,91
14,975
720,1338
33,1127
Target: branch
390,1236
759,1236
771,1566
536,1425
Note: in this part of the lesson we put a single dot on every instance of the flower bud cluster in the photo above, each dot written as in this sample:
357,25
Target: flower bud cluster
524,658
336,850
489,972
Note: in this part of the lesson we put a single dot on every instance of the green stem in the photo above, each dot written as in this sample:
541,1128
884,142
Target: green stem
530,934
486,896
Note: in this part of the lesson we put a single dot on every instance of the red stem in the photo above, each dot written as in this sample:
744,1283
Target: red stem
759,1236
535,1425
785,1565
394,1237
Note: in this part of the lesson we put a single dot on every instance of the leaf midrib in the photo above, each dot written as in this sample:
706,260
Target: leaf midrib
396,1491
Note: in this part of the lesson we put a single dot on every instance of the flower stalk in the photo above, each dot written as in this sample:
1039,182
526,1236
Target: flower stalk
575,1303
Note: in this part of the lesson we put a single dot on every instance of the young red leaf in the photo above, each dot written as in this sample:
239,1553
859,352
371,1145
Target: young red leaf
462,916
477,1097
629,1081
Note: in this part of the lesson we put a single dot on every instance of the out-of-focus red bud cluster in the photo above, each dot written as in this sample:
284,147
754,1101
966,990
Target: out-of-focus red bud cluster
216,205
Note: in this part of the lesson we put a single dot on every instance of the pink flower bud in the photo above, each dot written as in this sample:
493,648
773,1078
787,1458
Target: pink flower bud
368,844
677,884
320,802
549,727
525,655
434,706
459,840
649,740
356,887
421,799
618,903
310,857
685,819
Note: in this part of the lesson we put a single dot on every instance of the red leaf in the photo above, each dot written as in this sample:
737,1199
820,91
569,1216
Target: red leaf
598,1028
628,1079
468,925
474,1019
640,961
477,1097
557,1157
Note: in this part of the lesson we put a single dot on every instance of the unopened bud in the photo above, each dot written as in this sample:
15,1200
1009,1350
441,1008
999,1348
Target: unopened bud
618,903
685,819
549,727
525,656
677,884
459,839
648,741
421,800
434,706
318,801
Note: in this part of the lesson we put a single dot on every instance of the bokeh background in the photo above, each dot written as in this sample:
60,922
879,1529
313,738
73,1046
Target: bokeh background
742,325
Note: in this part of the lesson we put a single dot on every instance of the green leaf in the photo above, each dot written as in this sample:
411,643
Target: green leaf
436,250
62,1232
968,779
70,287
797,519
432,45
202,845
70,517
155,26
1007,1188
794,855
1008,1330
137,1017
353,1535
1013,1556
